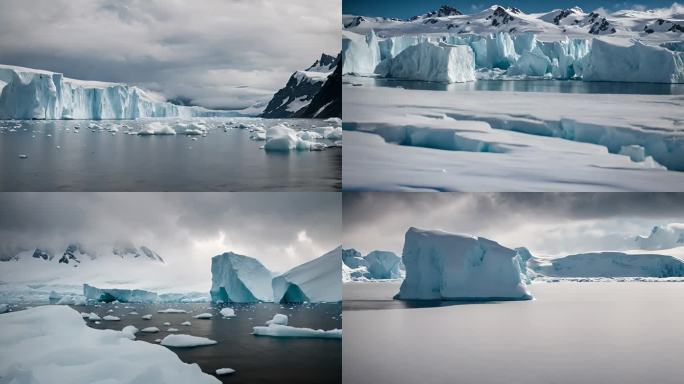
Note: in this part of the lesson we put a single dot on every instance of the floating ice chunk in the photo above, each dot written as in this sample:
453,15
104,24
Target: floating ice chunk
428,61
282,138
167,323
279,319
317,280
186,323
23,156
186,341
445,266
224,371
129,331
93,317
156,128
227,312
111,318
172,310
72,300
150,330
172,330
147,317
239,279
133,313
204,316
277,330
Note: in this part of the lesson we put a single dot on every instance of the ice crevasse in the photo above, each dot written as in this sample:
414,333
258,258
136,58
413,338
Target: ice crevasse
35,94
445,266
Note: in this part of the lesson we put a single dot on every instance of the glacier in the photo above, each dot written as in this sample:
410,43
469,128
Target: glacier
360,53
428,61
318,280
609,264
446,266
122,295
239,279
27,93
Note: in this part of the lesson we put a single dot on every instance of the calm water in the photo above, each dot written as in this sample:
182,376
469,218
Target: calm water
100,161
571,333
256,359
553,86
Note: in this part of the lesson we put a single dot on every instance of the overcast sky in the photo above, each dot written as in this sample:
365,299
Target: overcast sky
219,53
547,223
281,230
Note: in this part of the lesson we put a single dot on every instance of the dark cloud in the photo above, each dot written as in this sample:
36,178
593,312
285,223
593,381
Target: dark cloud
549,222
202,50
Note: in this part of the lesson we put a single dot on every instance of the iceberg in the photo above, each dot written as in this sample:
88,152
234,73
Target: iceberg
186,341
318,280
353,258
638,62
108,295
662,237
445,266
428,61
227,312
278,330
239,279
224,371
36,94
610,264
383,265
51,343
282,138
279,319
360,53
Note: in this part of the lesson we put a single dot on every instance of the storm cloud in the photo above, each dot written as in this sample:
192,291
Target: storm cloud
281,230
547,223
216,53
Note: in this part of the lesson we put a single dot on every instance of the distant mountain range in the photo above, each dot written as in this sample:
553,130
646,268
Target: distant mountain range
75,253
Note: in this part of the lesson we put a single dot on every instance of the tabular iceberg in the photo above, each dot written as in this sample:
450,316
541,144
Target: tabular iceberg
318,280
445,266
610,264
633,63
239,279
428,61
123,295
35,94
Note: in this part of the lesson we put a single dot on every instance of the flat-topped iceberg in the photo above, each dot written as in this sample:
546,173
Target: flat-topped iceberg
445,266
610,264
122,295
277,327
52,343
429,61
27,93
318,280
239,279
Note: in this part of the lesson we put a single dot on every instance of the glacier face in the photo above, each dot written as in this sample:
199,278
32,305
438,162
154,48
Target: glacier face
610,264
519,54
445,266
122,295
428,61
34,94
318,280
239,279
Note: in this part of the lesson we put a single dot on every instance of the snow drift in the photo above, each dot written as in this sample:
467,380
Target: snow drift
445,266
239,279
318,280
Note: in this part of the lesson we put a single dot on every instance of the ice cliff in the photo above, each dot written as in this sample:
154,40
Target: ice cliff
35,94
319,280
445,266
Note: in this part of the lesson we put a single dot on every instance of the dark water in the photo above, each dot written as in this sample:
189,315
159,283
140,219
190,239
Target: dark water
100,161
257,359
553,86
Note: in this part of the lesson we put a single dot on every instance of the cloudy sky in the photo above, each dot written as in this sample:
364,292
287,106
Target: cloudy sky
218,53
281,230
547,223
408,8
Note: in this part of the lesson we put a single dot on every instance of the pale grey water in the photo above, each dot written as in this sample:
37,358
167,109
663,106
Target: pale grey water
571,333
531,85
100,161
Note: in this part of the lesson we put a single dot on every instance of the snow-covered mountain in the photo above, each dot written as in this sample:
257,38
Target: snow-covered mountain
75,254
313,87
662,237
27,93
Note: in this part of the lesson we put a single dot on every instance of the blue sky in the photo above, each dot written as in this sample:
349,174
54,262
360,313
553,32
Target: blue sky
408,8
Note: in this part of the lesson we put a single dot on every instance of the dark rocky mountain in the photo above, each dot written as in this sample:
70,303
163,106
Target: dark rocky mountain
328,101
